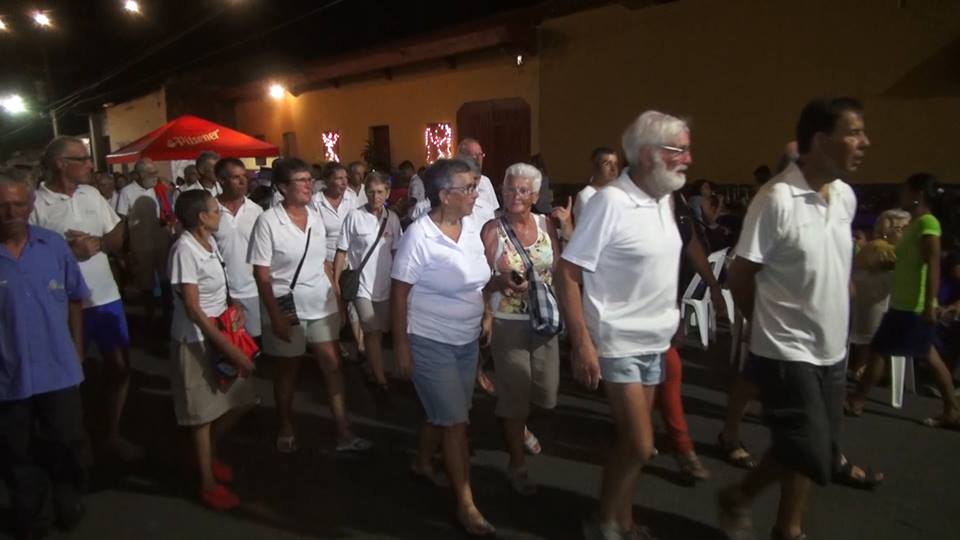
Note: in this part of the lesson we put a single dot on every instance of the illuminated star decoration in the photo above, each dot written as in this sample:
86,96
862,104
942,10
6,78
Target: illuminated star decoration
331,145
438,139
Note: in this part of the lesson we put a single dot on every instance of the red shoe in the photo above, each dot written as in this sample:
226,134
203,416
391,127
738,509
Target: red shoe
221,471
220,498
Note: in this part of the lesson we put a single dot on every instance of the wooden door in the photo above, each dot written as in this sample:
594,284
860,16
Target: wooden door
503,128
378,150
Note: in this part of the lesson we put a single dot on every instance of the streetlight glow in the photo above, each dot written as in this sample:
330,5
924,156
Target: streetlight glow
13,104
42,19
277,91
132,6
3,26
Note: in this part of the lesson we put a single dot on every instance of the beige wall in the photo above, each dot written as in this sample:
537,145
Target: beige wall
406,103
130,120
741,70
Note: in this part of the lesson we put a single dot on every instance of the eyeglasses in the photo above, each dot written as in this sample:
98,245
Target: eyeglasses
80,159
523,192
466,190
676,150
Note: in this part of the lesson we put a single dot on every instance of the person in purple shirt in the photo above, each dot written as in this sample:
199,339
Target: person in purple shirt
41,294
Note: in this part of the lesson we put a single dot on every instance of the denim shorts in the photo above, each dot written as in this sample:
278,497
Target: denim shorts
106,326
444,376
646,369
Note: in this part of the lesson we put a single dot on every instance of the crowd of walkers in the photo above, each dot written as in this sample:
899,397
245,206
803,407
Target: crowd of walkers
273,271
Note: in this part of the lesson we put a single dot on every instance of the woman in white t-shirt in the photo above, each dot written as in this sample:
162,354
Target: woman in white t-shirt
288,253
527,365
358,235
200,402
438,278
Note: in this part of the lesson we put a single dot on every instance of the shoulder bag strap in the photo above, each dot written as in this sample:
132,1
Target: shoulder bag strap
516,243
296,274
383,226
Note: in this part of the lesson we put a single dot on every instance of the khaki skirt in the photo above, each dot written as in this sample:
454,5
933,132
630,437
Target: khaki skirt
197,398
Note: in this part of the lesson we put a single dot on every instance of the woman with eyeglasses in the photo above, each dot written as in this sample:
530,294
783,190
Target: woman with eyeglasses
438,278
200,401
909,327
526,364
288,253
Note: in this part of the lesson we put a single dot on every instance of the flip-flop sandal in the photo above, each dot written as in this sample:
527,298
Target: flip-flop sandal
287,444
745,461
938,422
531,443
870,481
355,444
480,528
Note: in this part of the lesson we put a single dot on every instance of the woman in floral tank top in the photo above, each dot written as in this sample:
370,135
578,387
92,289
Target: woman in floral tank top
527,364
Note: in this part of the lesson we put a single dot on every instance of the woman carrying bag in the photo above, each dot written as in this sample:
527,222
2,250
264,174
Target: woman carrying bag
368,241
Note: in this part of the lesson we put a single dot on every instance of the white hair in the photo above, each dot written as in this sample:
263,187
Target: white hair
524,170
651,127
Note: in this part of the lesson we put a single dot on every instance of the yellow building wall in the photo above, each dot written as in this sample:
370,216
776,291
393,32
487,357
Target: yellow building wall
406,103
741,70
130,120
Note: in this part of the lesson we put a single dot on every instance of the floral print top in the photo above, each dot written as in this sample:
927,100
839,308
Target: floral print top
509,305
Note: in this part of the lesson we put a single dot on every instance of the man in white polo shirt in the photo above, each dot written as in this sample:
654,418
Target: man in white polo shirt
487,204
238,214
625,251
791,279
208,179
68,205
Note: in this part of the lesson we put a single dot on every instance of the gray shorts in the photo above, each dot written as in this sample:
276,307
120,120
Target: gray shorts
645,369
527,368
315,331
443,376
374,316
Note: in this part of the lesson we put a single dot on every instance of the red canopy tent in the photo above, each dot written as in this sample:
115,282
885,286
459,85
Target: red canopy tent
187,136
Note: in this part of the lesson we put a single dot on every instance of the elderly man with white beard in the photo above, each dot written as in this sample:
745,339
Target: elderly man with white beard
625,252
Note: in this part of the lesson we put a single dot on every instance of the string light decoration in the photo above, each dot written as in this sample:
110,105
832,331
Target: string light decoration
331,145
438,139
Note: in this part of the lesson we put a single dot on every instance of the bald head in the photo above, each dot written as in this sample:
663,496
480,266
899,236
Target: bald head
146,172
471,148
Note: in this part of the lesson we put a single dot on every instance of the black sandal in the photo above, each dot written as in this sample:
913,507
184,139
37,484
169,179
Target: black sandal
745,461
870,481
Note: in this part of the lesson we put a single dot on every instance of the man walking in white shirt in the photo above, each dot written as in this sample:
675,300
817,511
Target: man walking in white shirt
791,278
487,204
66,204
625,251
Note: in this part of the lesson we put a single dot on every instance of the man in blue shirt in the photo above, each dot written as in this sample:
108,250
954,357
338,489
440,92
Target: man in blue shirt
41,294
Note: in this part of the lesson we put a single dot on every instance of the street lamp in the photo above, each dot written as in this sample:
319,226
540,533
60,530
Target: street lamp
276,91
42,19
132,6
3,26
13,104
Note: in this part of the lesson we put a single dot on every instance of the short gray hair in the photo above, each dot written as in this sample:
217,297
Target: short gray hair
464,143
472,163
376,177
439,176
12,176
206,155
524,170
650,128
887,219
55,150
141,165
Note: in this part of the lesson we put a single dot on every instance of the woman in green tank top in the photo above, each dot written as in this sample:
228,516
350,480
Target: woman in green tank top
909,327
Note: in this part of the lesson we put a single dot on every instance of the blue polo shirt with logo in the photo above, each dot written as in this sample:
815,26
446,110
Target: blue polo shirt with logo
37,353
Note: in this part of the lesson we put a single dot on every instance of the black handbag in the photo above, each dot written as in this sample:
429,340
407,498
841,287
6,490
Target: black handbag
350,279
287,306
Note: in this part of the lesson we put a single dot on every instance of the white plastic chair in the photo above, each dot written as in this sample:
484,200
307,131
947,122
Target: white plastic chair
901,376
702,316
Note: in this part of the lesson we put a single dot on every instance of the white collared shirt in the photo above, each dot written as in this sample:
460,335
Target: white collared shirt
805,244
583,197
358,233
361,195
233,237
86,211
446,301
416,189
129,196
191,263
487,204
278,244
333,217
628,246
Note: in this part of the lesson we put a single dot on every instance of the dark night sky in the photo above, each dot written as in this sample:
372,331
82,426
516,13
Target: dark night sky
95,38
